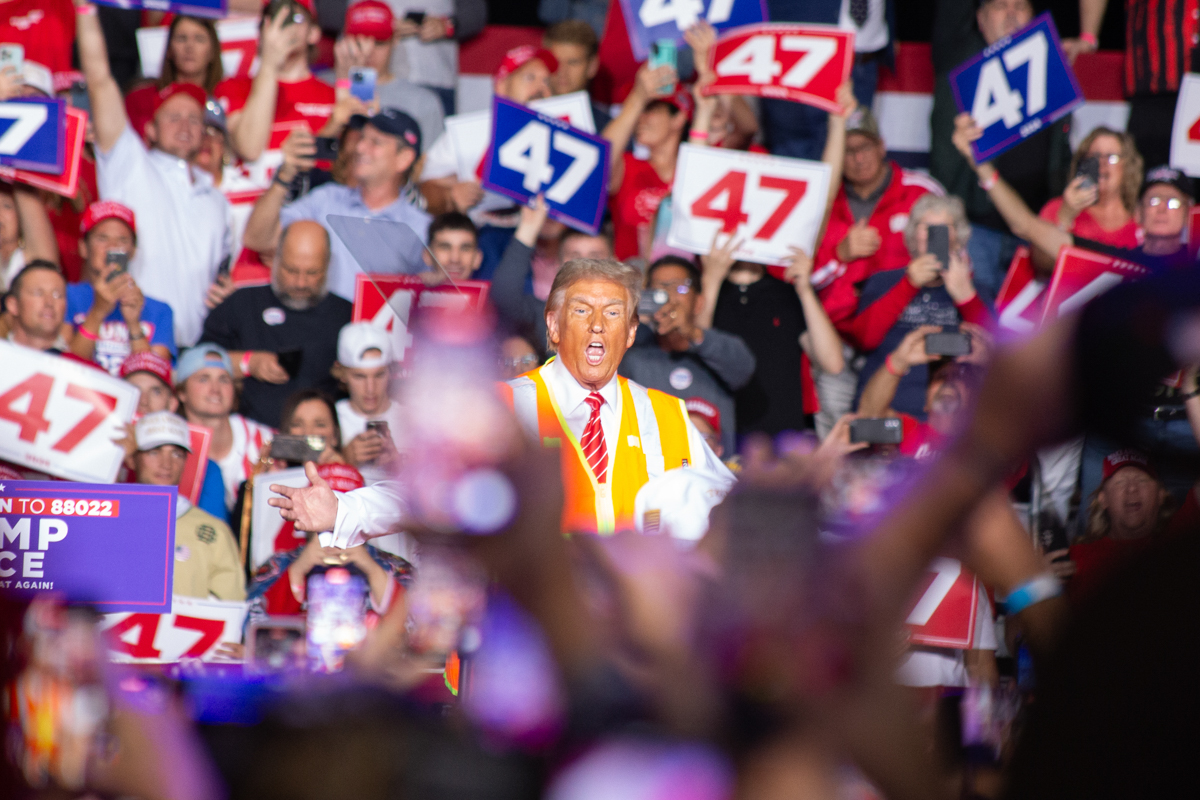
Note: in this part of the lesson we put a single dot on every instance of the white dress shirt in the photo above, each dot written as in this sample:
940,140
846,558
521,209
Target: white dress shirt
182,226
873,35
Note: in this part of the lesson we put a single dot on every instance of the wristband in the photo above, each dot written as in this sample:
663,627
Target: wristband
341,83
699,136
86,10
244,364
449,22
1043,587
887,364
85,333
989,183
1090,40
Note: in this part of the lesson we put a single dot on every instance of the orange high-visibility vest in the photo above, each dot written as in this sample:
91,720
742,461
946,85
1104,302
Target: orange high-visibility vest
654,440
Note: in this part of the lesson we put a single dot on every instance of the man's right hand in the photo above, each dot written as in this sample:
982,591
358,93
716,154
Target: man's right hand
313,509
265,367
365,447
862,241
299,149
466,195
924,270
911,350
279,39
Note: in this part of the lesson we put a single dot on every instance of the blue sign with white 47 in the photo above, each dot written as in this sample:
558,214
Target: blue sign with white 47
650,20
532,153
1016,87
33,134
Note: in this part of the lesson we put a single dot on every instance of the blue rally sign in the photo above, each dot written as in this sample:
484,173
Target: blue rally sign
650,20
111,545
532,153
213,9
1016,87
33,134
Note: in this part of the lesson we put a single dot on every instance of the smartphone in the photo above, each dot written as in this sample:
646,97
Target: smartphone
275,645
12,55
327,148
663,52
362,83
337,616
948,343
380,426
290,361
937,243
1089,170
652,300
297,448
223,267
118,258
1052,533
415,17
876,430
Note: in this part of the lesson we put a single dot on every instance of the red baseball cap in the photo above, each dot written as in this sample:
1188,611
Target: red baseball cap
520,56
1126,458
147,361
341,477
101,210
681,99
706,411
370,18
171,89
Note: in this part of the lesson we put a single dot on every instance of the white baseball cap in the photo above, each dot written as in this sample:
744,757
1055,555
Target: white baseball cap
678,502
358,338
162,427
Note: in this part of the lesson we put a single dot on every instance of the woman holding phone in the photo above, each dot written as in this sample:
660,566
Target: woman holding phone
1099,202
193,55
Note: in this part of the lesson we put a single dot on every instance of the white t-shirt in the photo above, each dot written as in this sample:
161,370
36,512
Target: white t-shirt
182,222
353,423
249,439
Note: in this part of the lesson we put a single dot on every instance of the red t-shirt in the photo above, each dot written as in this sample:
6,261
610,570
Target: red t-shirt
45,28
633,207
919,439
309,100
1096,560
1086,227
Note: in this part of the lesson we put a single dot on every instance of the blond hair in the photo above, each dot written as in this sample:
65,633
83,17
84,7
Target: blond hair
1132,165
581,269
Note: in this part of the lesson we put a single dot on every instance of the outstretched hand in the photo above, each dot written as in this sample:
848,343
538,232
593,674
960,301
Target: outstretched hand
313,508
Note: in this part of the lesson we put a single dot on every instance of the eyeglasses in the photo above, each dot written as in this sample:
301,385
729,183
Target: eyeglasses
1173,203
1106,158
677,288
521,362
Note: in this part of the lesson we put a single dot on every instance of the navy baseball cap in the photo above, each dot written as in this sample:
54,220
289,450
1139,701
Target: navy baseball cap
396,123
1171,177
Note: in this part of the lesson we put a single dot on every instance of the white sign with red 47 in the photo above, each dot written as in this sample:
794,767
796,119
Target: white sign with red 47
60,417
771,203
193,629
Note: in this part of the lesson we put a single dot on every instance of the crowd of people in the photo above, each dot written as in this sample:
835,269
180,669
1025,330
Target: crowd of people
708,491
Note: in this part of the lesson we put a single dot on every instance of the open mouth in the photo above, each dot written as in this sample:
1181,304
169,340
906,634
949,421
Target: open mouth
594,353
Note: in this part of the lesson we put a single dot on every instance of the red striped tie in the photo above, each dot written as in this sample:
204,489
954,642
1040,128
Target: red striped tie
592,442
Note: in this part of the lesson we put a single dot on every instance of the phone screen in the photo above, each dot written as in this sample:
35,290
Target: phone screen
336,616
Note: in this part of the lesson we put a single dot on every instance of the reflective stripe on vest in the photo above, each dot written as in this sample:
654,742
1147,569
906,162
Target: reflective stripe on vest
649,443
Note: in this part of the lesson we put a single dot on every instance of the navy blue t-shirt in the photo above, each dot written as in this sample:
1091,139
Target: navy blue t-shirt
931,306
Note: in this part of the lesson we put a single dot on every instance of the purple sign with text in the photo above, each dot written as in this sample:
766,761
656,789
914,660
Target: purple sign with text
111,545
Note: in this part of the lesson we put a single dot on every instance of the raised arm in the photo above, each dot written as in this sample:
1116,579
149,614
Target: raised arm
1091,17
620,131
36,230
108,107
834,154
820,340
250,126
881,389
262,229
1043,235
